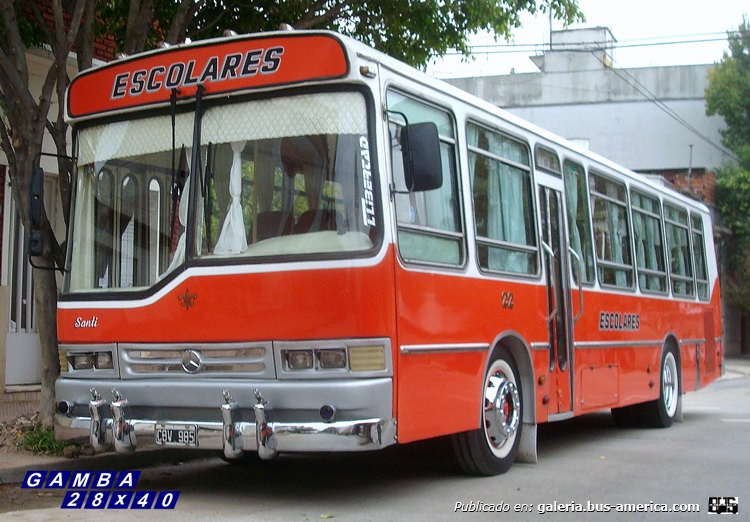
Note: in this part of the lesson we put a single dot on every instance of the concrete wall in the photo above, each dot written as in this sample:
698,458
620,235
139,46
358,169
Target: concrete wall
623,113
637,135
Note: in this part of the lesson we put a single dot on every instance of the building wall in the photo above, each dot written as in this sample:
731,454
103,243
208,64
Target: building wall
616,112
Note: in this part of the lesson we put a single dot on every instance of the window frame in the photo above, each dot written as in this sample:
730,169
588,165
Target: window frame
588,224
702,235
686,227
551,153
460,237
659,217
532,227
604,263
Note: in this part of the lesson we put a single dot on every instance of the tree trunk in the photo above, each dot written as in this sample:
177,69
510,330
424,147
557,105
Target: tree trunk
45,301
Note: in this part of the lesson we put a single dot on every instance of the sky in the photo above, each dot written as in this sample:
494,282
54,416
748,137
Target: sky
635,24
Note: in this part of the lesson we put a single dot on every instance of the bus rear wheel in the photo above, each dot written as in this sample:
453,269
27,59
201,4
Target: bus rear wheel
491,449
661,412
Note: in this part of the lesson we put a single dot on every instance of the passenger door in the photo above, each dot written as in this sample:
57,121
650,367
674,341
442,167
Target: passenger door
560,318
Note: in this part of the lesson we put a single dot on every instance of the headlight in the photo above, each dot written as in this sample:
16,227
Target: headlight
334,359
299,359
331,358
103,361
82,361
98,360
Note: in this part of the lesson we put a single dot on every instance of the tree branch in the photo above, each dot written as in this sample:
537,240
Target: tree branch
139,16
17,48
309,20
185,12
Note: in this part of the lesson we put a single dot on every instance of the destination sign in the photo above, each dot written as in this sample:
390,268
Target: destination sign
229,65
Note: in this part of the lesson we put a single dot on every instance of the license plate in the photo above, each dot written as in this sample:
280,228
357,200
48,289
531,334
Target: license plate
176,434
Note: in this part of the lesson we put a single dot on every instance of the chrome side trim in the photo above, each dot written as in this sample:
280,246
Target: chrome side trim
618,344
539,346
693,341
444,348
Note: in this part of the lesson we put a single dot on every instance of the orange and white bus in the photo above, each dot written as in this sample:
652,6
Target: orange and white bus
290,242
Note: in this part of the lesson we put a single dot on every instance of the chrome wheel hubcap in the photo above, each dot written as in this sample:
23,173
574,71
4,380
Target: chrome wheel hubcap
670,384
502,410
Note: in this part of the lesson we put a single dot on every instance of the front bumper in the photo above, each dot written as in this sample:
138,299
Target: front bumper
243,427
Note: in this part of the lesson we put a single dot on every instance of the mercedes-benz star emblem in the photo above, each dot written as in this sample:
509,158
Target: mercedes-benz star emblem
192,361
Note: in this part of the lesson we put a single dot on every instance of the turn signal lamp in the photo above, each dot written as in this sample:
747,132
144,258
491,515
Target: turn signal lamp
62,356
367,358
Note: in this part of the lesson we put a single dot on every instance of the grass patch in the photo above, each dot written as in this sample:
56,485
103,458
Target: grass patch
42,440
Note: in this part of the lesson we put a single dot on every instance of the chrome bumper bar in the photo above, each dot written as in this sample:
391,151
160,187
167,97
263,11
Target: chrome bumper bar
231,435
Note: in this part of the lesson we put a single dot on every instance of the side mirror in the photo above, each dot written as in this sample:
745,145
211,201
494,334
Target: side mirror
421,149
36,211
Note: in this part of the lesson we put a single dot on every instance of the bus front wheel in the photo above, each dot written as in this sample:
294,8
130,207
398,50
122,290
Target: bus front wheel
491,449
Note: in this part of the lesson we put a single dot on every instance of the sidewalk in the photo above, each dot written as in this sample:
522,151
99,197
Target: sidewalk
13,465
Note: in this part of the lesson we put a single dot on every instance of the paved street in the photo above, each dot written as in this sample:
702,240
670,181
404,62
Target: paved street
585,461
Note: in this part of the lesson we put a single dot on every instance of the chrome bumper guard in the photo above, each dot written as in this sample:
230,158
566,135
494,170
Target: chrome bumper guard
232,435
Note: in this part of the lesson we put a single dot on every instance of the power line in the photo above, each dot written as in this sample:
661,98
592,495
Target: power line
584,47
633,82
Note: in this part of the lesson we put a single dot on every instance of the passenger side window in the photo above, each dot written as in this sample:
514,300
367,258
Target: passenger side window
579,229
611,235
429,222
676,224
500,173
699,256
649,248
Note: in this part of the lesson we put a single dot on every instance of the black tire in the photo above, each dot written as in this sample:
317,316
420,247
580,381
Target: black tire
626,417
661,412
491,449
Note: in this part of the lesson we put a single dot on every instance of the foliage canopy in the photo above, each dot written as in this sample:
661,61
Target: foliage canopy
728,95
410,31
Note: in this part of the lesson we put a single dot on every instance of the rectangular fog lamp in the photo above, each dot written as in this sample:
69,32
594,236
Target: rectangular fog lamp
367,358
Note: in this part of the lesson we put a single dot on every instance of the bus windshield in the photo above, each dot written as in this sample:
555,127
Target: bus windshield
285,177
